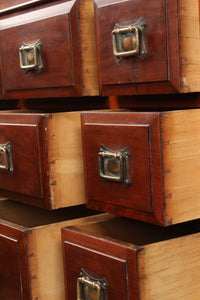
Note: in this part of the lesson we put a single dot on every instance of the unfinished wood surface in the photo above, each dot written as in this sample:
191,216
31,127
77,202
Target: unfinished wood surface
171,155
48,158
88,48
180,131
170,269
162,263
46,260
189,14
66,180
140,134
36,234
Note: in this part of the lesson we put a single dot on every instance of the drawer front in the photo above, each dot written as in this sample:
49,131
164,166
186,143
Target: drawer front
39,52
88,280
132,44
155,259
22,166
6,6
122,164
13,273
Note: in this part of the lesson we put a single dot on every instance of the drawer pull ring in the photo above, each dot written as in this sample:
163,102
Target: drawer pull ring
6,158
89,288
114,165
129,40
30,56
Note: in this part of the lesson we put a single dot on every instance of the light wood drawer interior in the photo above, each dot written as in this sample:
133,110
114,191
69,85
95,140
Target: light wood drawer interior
31,252
133,260
156,152
46,153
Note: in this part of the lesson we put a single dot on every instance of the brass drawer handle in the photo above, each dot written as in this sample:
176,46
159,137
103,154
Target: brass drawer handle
114,165
6,164
30,56
89,288
129,40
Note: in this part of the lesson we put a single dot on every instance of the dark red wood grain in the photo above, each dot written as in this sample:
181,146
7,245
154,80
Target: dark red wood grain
140,133
56,26
13,271
100,258
29,180
159,71
14,5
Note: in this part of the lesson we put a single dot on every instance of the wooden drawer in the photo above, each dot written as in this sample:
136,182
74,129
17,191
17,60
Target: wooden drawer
40,55
147,47
143,165
49,49
31,250
13,5
127,259
41,159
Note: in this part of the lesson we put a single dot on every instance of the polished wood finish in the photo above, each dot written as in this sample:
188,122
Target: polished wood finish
138,260
26,134
116,77
14,273
13,5
31,250
56,26
163,165
47,158
172,41
66,31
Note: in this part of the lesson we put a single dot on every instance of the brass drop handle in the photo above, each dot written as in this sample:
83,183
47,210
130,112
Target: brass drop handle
129,40
6,164
114,165
89,288
30,56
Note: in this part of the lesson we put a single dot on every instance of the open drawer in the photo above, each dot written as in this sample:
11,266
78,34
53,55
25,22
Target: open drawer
31,250
49,49
40,55
143,165
41,158
147,47
126,259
